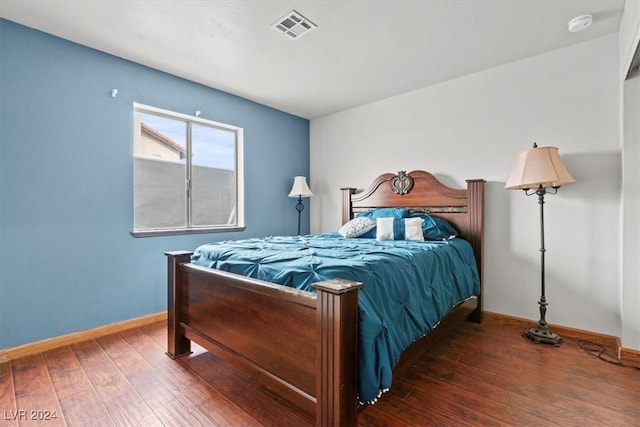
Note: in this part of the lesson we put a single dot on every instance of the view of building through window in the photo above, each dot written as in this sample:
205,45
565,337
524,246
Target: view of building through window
185,172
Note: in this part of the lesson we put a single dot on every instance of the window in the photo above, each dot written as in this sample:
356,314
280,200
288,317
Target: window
187,174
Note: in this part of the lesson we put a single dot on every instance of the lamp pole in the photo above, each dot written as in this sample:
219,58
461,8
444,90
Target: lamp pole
541,333
299,208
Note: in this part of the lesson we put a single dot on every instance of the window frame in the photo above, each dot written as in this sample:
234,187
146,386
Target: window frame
239,174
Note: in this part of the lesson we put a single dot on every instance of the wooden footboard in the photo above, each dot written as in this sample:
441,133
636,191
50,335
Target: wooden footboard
300,344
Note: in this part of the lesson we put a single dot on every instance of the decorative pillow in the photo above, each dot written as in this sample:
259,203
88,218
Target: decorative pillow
357,227
434,228
399,229
382,213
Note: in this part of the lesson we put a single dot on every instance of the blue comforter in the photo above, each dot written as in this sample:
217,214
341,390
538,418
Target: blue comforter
409,286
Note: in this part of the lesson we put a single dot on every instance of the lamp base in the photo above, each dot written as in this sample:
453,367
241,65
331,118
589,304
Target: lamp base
542,334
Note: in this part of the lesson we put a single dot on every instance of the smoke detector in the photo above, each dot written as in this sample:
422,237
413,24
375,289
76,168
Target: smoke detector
580,23
294,25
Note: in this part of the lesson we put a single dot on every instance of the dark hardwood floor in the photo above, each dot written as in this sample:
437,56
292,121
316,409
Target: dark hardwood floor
480,375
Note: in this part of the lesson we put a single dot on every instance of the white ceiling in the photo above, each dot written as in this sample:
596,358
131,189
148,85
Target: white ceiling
362,51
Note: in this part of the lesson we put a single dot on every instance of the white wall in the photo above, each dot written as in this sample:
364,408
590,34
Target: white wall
472,127
630,291
630,203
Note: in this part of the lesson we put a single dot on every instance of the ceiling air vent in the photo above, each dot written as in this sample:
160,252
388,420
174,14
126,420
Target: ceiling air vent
294,25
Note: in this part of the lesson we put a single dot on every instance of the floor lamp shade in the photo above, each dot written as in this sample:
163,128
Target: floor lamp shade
534,171
300,189
538,167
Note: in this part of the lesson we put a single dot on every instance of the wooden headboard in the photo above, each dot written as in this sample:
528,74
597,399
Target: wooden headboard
464,208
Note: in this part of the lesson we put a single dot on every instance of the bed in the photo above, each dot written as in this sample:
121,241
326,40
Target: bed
303,341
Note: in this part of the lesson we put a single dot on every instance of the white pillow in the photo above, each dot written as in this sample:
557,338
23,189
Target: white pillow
357,227
413,229
399,229
384,229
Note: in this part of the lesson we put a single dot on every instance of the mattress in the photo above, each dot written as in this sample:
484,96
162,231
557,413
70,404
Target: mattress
409,286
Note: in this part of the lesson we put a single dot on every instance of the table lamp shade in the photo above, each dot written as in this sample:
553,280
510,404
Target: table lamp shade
538,167
300,187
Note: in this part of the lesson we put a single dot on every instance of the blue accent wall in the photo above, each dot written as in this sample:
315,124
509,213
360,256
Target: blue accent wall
67,259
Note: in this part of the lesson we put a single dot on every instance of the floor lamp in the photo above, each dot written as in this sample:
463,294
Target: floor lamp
540,171
300,189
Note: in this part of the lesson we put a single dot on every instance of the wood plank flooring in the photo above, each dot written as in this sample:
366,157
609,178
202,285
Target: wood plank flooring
480,375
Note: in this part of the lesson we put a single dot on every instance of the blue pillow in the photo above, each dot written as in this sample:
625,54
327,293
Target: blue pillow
435,228
382,213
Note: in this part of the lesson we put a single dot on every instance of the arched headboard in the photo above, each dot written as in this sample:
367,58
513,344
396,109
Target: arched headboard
464,208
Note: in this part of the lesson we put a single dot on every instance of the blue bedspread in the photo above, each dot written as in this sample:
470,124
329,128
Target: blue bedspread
408,286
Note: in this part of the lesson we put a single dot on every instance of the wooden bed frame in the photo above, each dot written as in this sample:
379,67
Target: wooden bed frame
303,345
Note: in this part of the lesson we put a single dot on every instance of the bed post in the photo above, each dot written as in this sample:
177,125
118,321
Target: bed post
346,204
178,345
337,346
475,203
